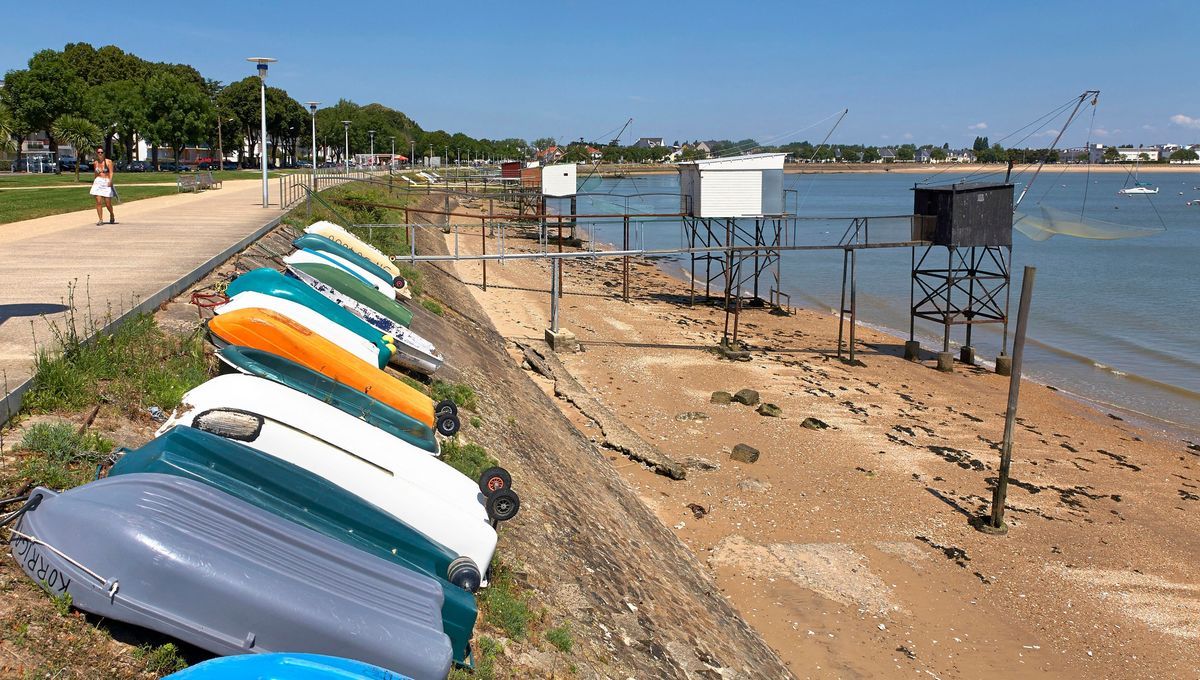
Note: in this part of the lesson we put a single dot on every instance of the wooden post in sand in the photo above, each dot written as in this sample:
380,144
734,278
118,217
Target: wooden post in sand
995,524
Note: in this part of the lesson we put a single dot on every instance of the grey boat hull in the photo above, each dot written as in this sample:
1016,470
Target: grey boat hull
184,559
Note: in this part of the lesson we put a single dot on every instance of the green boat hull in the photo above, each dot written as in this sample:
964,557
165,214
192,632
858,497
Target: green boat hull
342,397
347,284
297,495
321,244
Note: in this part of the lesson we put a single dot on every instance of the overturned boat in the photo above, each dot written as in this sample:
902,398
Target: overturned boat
321,244
336,233
265,330
276,284
297,495
404,481
342,397
284,667
339,335
181,558
306,256
412,350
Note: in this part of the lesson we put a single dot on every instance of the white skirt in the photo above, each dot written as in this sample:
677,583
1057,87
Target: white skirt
100,187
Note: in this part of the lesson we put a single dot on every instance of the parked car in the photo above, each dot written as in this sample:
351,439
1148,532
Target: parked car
230,165
303,164
67,164
138,166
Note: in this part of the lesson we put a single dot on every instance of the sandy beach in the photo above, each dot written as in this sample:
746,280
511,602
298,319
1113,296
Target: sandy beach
849,548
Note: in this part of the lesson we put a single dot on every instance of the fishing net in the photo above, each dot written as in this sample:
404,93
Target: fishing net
1047,222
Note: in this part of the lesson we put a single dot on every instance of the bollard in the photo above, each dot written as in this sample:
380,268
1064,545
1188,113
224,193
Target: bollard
945,362
912,350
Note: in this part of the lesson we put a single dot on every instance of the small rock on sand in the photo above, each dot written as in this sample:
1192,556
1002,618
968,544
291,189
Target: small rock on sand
721,397
744,453
815,424
688,416
748,397
770,410
752,484
698,463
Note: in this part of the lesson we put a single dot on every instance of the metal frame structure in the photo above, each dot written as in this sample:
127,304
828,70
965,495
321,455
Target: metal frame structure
967,291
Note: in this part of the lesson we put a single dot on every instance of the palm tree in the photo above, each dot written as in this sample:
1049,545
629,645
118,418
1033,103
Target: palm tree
80,133
6,128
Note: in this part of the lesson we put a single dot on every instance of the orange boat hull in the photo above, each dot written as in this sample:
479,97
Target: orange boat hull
272,332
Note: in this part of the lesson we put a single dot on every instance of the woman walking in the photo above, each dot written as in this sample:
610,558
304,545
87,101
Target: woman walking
102,187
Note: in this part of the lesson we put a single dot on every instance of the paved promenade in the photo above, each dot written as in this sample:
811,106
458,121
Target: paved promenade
160,246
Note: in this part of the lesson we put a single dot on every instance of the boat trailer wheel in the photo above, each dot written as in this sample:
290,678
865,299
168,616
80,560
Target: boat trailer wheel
446,406
464,573
503,505
493,480
447,425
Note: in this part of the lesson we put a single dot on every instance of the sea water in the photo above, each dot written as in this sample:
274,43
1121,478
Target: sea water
1112,321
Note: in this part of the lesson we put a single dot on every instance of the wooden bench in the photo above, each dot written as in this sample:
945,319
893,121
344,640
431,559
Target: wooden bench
207,181
187,183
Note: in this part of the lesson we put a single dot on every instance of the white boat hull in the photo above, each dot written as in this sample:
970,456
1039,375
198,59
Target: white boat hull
1136,191
310,319
399,478
310,257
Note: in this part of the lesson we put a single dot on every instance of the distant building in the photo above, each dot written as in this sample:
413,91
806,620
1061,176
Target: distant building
551,154
887,155
649,143
594,153
1135,153
704,148
923,156
960,156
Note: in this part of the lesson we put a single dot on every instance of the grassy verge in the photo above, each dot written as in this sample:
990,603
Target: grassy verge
133,369
59,456
469,459
31,203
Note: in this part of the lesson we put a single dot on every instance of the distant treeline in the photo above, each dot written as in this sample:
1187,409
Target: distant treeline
89,97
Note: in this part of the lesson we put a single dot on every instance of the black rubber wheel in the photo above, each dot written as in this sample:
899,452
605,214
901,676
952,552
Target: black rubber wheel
464,573
446,406
399,283
493,480
447,425
503,505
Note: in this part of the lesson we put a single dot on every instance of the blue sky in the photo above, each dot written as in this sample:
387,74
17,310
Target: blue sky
927,72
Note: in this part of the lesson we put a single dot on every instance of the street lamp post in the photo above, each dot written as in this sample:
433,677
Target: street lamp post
392,160
262,76
412,153
346,125
372,133
312,108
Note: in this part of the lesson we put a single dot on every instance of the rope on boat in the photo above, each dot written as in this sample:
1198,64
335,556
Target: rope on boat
74,562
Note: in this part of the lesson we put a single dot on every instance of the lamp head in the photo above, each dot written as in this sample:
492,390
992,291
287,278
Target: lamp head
346,123
312,106
262,65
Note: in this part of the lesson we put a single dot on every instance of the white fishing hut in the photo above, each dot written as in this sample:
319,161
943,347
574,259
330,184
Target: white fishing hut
560,180
739,186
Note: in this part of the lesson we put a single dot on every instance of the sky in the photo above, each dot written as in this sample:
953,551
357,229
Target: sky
920,72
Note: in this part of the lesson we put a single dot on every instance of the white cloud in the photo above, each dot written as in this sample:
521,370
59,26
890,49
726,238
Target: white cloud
1047,133
977,126
1104,132
1149,128
1186,121
908,135
885,136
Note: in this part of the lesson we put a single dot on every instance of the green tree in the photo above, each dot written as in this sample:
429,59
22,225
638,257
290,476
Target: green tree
1143,156
80,133
981,144
1182,155
37,96
178,112
1111,154
543,143
938,154
870,155
905,153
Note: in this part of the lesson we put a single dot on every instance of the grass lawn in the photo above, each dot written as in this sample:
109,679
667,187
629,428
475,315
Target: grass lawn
23,180
29,203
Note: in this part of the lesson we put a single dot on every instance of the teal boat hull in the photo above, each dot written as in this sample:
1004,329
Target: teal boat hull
342,397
